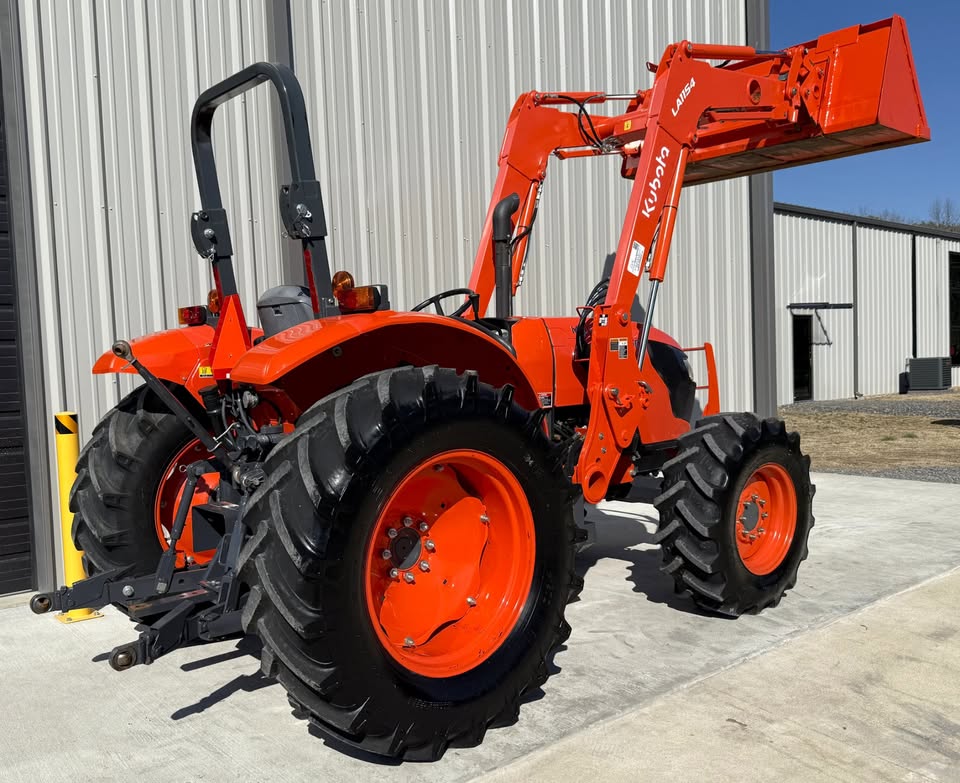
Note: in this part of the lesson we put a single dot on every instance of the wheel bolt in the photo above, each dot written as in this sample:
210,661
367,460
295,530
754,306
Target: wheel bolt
394,573
424,527
408,642
764,515
391,533
407,522
430,545
754,497
760,530
408,578
762,503
386,554
471,601
424,566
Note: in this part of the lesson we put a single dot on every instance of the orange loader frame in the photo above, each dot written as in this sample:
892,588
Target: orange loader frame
847,92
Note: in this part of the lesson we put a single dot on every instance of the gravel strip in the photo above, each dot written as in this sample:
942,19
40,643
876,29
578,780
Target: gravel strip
946,475
901,405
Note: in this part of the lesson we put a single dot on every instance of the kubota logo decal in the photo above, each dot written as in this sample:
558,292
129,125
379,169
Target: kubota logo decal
684,93
654,185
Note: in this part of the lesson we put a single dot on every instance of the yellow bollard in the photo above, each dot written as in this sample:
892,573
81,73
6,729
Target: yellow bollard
67,438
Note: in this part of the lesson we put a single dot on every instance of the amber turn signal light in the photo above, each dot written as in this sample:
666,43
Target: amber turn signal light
358,300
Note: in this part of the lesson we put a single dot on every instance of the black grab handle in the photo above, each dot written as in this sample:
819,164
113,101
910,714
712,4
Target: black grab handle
503,254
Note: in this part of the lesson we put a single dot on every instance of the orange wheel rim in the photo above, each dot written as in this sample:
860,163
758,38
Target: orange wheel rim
766,518
449,563
172,482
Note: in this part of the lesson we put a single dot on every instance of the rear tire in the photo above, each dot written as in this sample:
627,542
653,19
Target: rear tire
711,531
315,523
118,477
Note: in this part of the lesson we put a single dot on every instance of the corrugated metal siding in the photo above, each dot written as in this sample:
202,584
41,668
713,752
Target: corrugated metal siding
814,263
933,295
885,317
109,90
408,104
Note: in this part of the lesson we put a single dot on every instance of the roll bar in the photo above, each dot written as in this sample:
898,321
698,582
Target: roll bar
301,203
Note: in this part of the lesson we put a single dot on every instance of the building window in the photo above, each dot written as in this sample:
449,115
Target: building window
955,309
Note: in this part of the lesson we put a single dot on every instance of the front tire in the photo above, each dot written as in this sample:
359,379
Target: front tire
404,650
735,513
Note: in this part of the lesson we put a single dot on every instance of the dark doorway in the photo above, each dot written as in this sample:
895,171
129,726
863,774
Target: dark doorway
802,357
16,560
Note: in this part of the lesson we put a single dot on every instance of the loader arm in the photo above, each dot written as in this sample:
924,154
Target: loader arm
850,91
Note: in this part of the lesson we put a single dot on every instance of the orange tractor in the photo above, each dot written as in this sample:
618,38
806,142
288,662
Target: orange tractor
386,499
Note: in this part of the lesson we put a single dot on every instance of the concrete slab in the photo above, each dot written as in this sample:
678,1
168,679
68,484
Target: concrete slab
206,714
874,696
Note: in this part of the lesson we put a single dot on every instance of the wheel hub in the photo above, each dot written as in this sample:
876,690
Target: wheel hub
766,518
450,563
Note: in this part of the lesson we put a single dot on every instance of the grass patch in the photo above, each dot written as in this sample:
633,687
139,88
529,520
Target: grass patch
873,441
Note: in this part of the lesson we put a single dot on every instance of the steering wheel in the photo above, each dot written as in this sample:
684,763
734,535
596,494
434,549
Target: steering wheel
473,302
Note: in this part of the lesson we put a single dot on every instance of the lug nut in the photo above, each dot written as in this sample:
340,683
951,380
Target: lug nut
386,554
760,530
764,515
424,527
762,503
408,642
471,601
424,566
407,522
394,573
485,519
408,578
391,533
430,545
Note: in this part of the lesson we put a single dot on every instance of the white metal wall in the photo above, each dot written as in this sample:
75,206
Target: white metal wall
885,318
109,90
408,105
814,263
933,295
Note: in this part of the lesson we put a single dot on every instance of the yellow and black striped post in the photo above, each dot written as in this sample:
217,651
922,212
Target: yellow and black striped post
67,437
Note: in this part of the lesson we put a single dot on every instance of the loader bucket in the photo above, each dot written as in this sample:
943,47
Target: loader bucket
863,95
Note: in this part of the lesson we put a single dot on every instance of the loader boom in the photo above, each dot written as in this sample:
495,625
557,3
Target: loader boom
848,92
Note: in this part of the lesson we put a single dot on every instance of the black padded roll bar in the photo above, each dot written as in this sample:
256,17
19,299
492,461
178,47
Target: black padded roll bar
301,204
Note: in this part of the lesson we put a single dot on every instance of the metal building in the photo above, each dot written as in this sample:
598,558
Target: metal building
858,299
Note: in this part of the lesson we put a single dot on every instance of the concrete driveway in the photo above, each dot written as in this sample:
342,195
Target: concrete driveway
850,678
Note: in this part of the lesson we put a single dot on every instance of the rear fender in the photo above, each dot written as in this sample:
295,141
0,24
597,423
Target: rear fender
316,358
175,355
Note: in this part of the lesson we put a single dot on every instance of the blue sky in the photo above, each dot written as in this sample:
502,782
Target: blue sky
904,180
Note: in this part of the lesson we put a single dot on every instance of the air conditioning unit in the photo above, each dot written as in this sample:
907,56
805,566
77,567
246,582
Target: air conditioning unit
930,374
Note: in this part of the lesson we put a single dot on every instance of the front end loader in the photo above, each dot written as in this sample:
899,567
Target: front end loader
388,500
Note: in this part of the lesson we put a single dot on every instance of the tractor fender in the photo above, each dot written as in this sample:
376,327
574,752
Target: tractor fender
175,355
315,358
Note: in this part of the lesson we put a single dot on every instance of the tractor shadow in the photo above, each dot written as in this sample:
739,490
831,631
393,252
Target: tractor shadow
628,535
248,646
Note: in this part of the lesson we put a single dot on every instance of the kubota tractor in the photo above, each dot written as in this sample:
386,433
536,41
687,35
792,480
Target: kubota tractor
386,499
